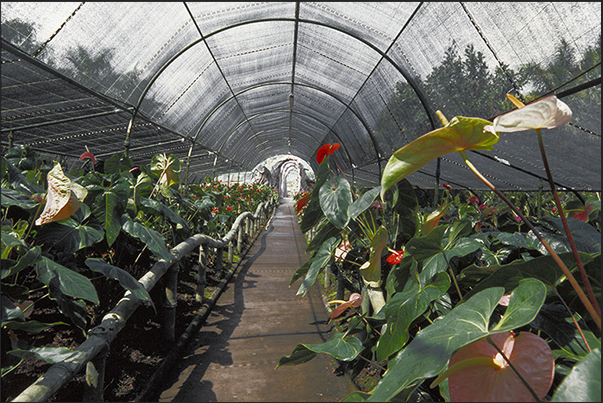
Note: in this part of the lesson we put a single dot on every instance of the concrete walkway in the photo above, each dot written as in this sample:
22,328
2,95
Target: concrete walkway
257,320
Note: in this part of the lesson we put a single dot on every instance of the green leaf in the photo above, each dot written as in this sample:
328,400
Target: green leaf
460,134
153,239
69,235
439,246
543,268
28,259
325,232
319,261
313,212
167,212
109,206
583,384
12,197
427,354
10,311
403,308
75,309
117,163
167,168
363,202
335,199
340,347
125,279
524,304
70,283
31,326
51,355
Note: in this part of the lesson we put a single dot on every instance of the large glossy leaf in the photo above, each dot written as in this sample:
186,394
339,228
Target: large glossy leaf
28,259
583,384
151,238
31,326
109,206
75,309
125,279
335,199
168,170
325,232
403,308
319,261
117,163
340,347
70,282
427,354
439,246
543,268
460,134
313,213
363,202
167,212
12,197
70,235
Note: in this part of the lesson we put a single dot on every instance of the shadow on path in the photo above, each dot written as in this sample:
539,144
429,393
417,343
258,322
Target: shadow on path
258,319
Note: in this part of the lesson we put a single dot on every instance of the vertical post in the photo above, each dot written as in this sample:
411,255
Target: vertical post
169,305
95,370
240,239
201,274
230,253
219,259
340,287
327,276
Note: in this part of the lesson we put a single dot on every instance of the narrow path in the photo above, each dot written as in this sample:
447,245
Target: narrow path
257,320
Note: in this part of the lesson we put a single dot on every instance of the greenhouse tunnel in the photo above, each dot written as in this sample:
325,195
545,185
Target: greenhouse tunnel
225,86
250,93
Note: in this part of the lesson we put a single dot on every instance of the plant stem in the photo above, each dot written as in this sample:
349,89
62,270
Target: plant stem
591,310
570,238
489,339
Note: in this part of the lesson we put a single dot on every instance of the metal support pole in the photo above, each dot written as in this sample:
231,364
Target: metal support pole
169,305
201,274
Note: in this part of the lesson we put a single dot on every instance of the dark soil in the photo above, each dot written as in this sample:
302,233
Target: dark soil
136,352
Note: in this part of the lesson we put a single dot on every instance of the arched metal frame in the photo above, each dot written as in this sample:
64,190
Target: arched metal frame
360,119
429,111
287,111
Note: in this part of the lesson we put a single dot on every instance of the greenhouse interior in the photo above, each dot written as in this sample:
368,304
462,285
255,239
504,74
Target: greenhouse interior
430,172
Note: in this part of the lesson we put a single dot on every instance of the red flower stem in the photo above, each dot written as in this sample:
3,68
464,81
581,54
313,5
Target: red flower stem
489,340
570,237
591,310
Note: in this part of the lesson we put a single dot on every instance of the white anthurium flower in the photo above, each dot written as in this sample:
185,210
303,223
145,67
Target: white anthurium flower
546,113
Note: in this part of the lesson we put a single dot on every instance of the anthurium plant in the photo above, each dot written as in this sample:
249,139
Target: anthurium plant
69,237
486,296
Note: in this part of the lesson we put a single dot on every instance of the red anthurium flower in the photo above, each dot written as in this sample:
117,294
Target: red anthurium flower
583,216
395,257
88,154
302,202
479,373
354,301
325,151
446,186
473,199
